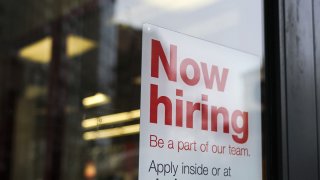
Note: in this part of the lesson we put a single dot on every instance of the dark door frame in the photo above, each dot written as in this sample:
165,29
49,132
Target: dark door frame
291,95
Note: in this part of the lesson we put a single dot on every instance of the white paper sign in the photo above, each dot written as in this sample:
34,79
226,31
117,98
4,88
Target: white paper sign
200,110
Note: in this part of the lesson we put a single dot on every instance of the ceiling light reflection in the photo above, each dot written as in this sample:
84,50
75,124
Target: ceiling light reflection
40,51
110,133
77,45
111,119
96,100
180,4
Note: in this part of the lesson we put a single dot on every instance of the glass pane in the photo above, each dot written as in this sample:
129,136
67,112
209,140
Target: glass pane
70,75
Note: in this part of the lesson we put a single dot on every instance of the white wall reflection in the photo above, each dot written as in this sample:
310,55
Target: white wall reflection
232,23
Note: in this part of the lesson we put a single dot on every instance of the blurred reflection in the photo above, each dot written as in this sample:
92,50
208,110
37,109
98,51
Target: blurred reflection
111,119
72,119
181,5
225,22
90,170
112,132
40,51
96,100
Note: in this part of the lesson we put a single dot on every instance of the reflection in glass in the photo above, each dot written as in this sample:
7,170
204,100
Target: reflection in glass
70,81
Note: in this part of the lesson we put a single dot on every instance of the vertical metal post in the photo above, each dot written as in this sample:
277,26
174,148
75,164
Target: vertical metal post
57,93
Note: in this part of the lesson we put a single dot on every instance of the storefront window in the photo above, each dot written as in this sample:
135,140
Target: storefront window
70,76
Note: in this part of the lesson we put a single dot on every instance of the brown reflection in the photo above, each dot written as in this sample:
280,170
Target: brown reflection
53,59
